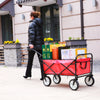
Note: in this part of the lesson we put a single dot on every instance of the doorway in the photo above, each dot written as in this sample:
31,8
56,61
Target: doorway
50,18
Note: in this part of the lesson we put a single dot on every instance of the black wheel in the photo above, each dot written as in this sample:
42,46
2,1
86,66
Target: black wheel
89,80
56,79
74,85
47,81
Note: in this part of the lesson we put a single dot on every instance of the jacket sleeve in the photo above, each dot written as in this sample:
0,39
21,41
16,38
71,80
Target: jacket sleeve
32,33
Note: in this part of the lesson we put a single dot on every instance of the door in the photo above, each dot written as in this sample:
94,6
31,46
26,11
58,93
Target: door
7,31
50,18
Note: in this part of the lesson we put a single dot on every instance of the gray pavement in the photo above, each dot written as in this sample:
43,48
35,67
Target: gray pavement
14,87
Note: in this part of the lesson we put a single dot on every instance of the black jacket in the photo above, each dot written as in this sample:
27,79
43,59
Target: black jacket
35,33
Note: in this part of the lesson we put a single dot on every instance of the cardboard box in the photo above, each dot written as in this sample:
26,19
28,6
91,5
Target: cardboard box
52,46
44,55
81,51
44,49
68,54
72,53
49,55
47,48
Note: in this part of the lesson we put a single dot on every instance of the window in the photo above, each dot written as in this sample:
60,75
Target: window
7,31
50,18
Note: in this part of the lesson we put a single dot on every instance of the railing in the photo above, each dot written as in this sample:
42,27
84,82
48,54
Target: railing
1,55
24,55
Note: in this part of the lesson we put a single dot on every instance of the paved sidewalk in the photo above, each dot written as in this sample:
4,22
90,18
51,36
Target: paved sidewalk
14,87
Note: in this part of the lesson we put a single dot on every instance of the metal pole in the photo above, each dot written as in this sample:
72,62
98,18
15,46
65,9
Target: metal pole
82,19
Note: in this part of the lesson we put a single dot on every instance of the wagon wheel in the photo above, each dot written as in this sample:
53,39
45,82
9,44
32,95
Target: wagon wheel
47,81
89,80
56,79
74,85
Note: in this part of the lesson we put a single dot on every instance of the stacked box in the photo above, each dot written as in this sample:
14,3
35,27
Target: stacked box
49,55
44,55
46,52
52,46
72,53
47,48
44,49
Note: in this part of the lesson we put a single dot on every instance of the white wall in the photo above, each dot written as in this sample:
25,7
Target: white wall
20,25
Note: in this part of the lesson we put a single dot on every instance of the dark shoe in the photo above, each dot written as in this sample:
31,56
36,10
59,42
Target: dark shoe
41,78
26,77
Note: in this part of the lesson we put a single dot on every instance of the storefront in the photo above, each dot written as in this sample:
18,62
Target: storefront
6,15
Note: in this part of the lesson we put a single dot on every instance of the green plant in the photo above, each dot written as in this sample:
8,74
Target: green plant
82,38
78,38
70,38
73,38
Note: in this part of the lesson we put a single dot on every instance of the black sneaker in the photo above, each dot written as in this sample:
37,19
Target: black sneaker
26,77
41,78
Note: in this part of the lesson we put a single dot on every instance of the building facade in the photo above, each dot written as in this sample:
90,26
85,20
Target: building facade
61,20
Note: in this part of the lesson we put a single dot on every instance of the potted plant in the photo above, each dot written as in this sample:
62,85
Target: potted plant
12,44
76,42
12,53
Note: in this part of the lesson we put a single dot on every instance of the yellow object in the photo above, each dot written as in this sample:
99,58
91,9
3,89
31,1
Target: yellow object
81,51
48,39
45,39
52,46
17,41
10,42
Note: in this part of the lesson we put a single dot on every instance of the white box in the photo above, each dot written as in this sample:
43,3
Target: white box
72,53
68,54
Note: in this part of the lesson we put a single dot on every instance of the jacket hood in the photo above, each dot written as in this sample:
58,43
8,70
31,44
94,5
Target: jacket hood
37,21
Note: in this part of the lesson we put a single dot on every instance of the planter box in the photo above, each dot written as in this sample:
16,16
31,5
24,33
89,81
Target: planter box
12,54
76,43
12,46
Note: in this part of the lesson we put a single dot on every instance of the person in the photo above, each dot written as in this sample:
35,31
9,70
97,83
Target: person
35,39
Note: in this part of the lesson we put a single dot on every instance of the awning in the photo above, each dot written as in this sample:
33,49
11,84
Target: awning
7,7
4,12
39,3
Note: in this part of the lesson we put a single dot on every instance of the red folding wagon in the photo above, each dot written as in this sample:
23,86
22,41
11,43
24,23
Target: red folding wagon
79,67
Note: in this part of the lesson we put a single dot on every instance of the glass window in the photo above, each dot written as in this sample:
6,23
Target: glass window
50,18
7,31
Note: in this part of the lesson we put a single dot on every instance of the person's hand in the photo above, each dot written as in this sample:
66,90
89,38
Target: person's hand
31,46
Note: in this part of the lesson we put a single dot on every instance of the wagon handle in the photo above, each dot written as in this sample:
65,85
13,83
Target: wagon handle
35,51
